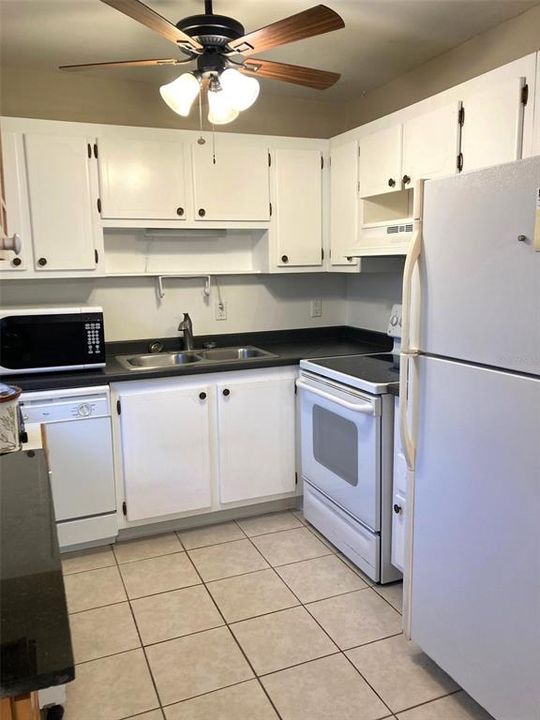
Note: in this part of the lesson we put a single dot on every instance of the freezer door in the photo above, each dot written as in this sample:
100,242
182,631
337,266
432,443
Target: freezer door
475,562
479,282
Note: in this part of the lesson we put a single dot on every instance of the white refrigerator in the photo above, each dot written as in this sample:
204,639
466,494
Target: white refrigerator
470,428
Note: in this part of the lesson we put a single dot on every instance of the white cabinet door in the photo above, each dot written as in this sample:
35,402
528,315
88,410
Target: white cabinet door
297,211
231,182
380,162
493,128
256,431
343,202
15,194
399,498
165,436
431,144
61,200
141,179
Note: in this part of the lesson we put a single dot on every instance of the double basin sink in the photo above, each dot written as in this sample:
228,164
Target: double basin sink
155,361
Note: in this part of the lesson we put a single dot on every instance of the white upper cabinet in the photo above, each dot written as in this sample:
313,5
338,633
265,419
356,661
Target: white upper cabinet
256,437
230,181
165,436
431,145
493,125
61,201
15,219
343,202
297,207
141,179
380,162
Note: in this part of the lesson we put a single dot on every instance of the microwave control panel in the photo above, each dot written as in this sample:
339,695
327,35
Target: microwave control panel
95,339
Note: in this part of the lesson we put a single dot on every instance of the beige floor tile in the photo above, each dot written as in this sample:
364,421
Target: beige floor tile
152,715
320,578
325,689
175,613
356,618
290,546
459,706
246,596
103,631
93,588
245,701
321,537
87,560
299,515
392,593
160,574
149,547
355,569
196,664
281,639
269,523
210,535
113,687
232,558
401,673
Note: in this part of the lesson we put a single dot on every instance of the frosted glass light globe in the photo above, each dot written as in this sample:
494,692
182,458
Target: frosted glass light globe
180,93
220,111
242,91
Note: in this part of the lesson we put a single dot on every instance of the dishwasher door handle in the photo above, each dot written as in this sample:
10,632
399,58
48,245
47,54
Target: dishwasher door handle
364,407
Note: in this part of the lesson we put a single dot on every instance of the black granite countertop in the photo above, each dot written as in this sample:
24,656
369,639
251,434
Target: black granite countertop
288,347
35,641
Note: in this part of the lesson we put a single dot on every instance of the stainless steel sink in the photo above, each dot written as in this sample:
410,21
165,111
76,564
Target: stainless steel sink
155,361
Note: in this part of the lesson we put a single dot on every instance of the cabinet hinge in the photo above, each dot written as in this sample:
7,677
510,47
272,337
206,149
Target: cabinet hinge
525,94
322,253
460,162
269,160
270,206
89,151
124,508
461,116
99,205
96,256
95,150
322,162
118,407
296,478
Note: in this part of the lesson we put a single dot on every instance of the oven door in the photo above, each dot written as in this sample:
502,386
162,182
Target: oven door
341,445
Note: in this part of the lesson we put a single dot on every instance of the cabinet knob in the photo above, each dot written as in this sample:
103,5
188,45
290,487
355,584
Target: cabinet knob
226,392
397,509
202,396
42,261
392,182
406,179
202,212
349,259
16,262
285,258
180,211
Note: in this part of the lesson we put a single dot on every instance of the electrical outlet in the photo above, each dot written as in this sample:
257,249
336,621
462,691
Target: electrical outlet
221,311
316,307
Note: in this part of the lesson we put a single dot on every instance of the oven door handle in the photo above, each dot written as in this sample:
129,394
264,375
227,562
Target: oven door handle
366,408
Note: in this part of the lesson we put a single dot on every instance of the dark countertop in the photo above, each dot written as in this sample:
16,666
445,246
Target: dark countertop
289,346
35,649
393,390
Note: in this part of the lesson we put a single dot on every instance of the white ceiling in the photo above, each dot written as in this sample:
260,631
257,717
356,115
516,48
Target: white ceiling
381,40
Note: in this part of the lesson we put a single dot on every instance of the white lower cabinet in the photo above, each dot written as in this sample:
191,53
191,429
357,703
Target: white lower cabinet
399,498
190,445
256,438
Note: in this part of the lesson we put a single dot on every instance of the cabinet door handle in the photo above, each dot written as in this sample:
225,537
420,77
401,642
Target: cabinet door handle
397,509
180,211
202,395
391,182
285,258
226,392
42,262
202,212
406,179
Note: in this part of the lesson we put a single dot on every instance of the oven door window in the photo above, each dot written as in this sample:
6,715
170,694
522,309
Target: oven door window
335,444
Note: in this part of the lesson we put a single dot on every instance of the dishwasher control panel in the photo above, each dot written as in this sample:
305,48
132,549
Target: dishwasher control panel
59,409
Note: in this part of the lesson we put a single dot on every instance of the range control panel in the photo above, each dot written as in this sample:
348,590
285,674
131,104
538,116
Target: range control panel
394,323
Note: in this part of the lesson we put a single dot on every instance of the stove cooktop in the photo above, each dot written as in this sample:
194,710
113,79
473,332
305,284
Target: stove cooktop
373,373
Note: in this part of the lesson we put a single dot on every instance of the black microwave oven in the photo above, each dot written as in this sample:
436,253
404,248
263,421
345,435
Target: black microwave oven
51,339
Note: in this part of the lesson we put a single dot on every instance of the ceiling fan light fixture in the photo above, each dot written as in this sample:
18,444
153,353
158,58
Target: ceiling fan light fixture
181,93
220,110
242,91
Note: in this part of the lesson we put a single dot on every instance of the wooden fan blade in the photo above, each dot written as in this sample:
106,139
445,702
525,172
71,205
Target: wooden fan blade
315,21
318,79
125,63
145,15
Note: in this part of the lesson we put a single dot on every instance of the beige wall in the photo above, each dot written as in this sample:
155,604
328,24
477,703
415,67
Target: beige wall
56,95
509,41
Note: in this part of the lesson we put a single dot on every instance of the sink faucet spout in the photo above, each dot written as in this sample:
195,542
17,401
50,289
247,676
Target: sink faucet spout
186,328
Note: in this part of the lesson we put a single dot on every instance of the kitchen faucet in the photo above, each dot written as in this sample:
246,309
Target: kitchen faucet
186,327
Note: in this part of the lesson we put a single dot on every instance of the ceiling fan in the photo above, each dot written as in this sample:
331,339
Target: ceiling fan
223,54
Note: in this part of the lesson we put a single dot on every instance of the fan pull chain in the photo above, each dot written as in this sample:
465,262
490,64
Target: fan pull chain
201,140
213,143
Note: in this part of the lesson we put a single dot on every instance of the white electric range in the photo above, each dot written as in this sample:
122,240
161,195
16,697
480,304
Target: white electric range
346,421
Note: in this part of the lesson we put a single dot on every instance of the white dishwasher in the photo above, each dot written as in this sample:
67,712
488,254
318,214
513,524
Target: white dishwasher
80,451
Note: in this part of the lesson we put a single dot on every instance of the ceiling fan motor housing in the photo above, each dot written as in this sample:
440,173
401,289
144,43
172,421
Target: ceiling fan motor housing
211,30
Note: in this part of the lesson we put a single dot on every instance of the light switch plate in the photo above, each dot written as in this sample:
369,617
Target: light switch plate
316,307
221,311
